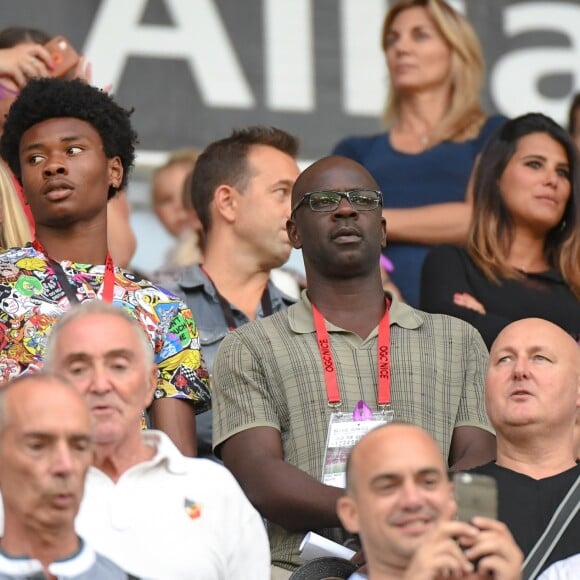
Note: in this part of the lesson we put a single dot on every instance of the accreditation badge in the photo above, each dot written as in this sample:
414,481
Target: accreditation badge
344,431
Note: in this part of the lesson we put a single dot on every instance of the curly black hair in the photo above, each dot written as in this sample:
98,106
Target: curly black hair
50,98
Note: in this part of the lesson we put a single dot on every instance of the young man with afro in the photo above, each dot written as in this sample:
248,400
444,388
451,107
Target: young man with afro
72,147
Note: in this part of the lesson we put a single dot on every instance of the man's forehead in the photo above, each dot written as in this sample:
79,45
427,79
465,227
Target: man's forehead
32,402
401,448
333,173
534,334
122,334
60,129
127,351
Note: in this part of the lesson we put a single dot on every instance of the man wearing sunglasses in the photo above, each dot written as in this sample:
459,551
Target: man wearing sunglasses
283,386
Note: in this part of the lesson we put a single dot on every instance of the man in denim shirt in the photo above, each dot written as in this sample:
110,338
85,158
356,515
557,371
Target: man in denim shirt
240,188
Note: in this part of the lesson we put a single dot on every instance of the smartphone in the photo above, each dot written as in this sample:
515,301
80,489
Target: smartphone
476,495
64,56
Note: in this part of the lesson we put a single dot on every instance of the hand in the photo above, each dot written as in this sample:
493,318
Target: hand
25,61
498,554
361,561
84,72
440,555
466,300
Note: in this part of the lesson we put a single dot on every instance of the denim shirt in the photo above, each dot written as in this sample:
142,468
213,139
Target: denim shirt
200,295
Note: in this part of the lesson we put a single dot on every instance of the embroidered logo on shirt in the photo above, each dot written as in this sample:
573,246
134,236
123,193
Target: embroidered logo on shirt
192,509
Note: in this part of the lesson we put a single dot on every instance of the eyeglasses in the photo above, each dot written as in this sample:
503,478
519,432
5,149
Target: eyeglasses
326,201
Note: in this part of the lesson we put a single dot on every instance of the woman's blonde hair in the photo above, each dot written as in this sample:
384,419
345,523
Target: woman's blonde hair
491,230
186,156
465,115
14,228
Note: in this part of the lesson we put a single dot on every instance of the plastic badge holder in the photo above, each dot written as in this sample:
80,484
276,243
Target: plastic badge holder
344,431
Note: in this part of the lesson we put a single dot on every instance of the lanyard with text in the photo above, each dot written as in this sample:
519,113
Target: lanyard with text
108,286
265,301
383,359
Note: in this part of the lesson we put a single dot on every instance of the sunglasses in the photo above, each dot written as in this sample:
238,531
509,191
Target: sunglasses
326,201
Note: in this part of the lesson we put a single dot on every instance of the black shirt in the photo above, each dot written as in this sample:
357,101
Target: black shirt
449,269
526,506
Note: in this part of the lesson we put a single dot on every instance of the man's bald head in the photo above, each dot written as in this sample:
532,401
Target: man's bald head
39,387
537,331
397,492
332,173
533,382
391,438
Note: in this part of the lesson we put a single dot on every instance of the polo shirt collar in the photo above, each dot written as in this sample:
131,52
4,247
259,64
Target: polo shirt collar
302,322
165,451
75,565
193,277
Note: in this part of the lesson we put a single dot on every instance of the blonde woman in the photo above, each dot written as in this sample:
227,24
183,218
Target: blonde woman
171,203
14,228
171,206
435,129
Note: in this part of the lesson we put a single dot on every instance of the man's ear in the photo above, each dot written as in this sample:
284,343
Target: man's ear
115,172
225,200
348,514
383,232
293,234
152,380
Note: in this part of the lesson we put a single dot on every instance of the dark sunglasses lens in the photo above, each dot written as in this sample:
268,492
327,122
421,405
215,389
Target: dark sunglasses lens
324,200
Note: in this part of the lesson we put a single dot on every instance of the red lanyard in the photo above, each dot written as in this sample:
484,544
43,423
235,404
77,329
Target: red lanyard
384,359
108,286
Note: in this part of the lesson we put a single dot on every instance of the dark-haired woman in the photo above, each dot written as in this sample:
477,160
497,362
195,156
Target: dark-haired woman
523,253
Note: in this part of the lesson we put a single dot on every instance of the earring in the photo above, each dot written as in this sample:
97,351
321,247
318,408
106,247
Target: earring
562,226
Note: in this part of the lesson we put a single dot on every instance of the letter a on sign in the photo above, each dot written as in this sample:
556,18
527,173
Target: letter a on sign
199,37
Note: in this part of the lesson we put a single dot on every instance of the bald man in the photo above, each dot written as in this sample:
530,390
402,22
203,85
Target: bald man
400,501
532,398
45,452
274,378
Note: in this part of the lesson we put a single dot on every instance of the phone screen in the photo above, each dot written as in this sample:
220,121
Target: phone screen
476,495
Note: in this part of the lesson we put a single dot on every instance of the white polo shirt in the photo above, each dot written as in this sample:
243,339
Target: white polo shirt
175,517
